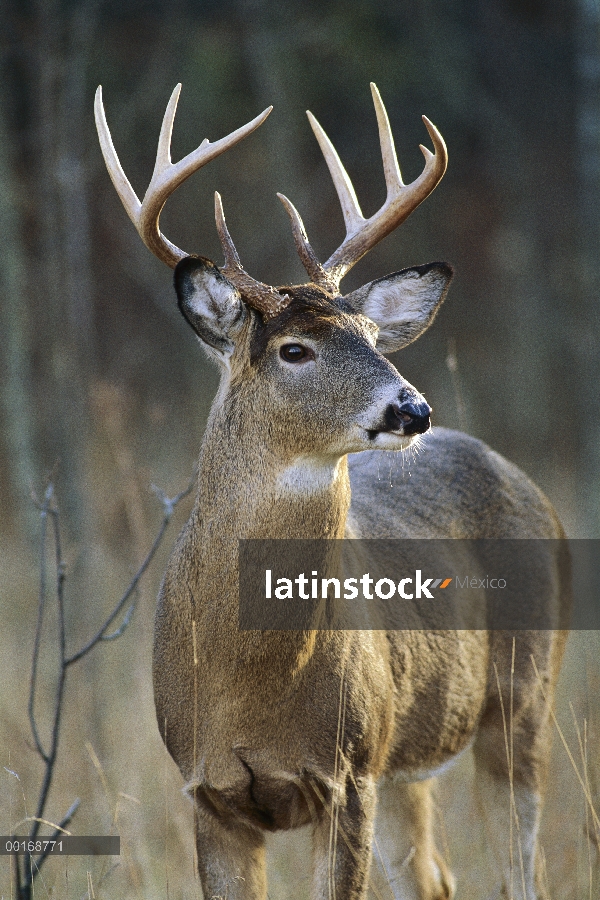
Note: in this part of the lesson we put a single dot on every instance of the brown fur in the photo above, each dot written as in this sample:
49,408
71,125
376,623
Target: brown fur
274,730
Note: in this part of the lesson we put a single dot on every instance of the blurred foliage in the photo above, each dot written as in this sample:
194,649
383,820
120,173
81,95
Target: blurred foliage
103,385
86,304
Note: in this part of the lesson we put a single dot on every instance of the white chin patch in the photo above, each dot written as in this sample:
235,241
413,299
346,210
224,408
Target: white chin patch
389,440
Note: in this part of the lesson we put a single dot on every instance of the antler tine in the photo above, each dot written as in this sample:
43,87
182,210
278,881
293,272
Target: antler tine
391,169
232,259
353,217
118,177
362,234
306,253
401,199
262,297
163,150
167,176
441,152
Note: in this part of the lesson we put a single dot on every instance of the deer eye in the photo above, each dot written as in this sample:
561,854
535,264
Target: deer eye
295,353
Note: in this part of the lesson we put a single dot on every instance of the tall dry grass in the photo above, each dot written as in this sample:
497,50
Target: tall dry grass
112,758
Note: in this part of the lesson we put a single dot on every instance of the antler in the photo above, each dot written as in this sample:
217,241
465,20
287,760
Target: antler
166,178
259,296
362,234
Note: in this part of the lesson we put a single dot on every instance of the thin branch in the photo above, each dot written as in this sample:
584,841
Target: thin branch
50,758
57,832
43,507
31,868
126,620
169,504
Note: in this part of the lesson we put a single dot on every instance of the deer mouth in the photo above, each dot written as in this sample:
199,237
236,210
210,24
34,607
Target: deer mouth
390,439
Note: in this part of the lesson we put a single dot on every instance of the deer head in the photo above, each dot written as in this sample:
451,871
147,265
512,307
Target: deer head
304,334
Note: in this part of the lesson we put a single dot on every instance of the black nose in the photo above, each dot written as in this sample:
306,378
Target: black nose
410,416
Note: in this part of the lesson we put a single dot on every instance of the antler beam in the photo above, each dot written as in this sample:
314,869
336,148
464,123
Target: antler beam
362,234
167,176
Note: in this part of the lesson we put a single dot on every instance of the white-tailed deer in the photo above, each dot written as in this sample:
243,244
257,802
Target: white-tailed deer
252,718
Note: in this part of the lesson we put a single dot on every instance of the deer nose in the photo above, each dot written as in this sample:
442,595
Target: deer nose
411,416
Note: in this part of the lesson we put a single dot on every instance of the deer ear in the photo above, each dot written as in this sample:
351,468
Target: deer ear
404,304
210,303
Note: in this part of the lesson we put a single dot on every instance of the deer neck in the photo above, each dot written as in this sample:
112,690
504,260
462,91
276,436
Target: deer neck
249,491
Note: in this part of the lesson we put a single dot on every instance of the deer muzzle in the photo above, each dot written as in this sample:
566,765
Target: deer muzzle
409,417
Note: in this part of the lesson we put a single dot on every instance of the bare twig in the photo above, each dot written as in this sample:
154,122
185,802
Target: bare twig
169,504
43,507
26,874
57,832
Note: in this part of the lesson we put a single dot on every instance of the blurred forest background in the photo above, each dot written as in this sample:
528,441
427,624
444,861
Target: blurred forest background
104,389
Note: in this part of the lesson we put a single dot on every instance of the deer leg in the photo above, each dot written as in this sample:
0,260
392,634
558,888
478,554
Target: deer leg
231,859
342,844
407,864
510,799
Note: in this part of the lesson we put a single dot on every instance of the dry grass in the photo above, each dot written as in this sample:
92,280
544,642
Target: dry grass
111,756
